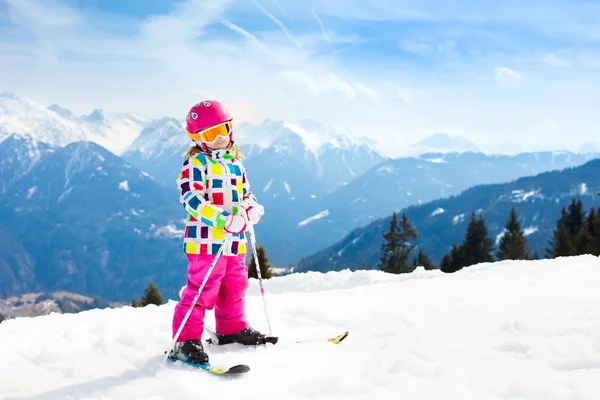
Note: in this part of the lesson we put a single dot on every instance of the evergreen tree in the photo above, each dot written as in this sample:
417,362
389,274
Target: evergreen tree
266,270
152,295
477,246
583,241
575,217
1,318
593,225
513,245
391,246
596,234
423,260
562,239
446,264
396,248
135,303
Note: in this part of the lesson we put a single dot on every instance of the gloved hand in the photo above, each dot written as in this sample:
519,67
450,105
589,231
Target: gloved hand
254,211
235,224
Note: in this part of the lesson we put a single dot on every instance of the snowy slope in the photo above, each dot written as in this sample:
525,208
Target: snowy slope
114,131
512,330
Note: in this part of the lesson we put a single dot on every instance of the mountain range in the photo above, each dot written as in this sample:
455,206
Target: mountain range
84,220
78,216
441,223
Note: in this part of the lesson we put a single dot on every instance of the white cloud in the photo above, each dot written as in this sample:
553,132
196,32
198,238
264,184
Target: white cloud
234,51
367,91
554,60
326,35
279,23
546,127
507,76
322,84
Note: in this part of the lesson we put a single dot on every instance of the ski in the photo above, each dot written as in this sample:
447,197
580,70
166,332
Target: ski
234,370
338,339
214,339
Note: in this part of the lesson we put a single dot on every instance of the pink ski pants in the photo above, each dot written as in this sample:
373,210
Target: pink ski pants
225,291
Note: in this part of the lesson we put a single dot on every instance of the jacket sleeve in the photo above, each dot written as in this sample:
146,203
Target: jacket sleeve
247,191
192,194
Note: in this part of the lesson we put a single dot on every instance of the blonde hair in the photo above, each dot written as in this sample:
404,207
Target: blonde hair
235,149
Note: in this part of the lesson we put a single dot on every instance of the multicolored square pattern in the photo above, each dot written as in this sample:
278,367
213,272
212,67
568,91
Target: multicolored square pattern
212,186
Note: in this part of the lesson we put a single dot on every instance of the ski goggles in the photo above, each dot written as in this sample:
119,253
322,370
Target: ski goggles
211,134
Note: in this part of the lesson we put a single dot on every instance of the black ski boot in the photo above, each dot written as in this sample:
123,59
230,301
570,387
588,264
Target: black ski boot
190,351
247,337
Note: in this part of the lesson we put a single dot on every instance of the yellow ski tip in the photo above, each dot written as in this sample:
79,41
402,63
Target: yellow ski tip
338,339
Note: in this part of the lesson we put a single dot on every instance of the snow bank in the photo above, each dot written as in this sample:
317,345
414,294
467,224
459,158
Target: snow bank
508,330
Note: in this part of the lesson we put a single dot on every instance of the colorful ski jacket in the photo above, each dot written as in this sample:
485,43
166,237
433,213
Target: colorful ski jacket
212,186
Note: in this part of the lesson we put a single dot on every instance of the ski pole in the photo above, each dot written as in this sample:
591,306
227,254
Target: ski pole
189,312
260,281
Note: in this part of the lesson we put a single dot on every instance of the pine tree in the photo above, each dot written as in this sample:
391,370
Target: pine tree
562,239
396,249
513,245
1,318
583,241
596,233
391,246
266,270
152,295
423,260
446,264
135,303
575,217
593,225
477,246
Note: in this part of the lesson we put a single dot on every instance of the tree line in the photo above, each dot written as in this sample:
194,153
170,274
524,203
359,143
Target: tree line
577,232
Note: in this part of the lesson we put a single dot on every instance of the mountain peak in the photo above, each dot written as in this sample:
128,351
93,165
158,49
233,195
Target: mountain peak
444,143
96,116
63,112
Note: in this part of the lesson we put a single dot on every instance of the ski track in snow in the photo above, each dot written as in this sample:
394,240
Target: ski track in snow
509,330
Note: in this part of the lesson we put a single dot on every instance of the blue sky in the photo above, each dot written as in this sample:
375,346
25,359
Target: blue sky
501,73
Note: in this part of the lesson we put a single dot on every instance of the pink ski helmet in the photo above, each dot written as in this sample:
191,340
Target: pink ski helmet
205,115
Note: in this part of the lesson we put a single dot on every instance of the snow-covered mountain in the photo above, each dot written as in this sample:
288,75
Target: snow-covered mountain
290,167
441,223
114,131
87,221
503,331
59,127
18,155
443,143
395,184
24,116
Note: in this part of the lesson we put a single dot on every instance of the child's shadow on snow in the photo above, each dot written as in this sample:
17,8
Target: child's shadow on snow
86,389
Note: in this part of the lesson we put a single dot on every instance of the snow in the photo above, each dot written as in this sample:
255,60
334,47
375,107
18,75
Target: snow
503,331
320,215
530,230
30,192
438,211
458,219
583,189
288,188
521,196
268,185
59,127
124,186
438,160
386,168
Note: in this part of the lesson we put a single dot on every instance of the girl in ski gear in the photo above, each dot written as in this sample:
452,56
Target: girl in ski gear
216,194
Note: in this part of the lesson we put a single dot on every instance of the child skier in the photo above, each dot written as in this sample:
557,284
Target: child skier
214,190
